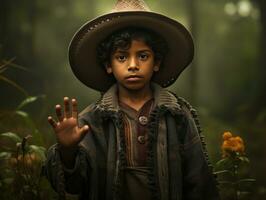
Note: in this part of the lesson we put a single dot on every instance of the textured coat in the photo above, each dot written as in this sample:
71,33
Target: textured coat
176,153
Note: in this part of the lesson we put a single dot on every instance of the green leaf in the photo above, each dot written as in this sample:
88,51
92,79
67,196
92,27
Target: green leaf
247,180
222,161
39,150
222,172
244,159
223,164
12,136
22,114
5,155
29,123
36,135
29,100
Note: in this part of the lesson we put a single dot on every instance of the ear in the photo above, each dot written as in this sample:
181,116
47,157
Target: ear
157,66
108,69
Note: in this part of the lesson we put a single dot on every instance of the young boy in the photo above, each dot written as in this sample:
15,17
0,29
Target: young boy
139,141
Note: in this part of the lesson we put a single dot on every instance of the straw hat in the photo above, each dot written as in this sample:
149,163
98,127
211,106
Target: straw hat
129,13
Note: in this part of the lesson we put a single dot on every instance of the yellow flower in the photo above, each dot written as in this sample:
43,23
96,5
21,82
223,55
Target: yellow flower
239,139
227,135
232,144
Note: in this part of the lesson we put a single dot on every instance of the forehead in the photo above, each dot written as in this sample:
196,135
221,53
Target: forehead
136,45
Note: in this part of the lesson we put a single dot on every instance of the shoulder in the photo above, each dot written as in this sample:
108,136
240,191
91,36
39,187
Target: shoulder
187,107
90,108
167,99
184,105
90,115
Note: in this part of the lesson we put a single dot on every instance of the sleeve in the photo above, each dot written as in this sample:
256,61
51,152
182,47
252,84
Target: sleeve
67,181
199,182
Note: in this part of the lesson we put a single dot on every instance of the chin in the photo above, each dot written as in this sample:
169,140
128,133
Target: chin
134,87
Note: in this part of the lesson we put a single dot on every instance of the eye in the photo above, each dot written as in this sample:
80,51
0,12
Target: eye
121,58
143,56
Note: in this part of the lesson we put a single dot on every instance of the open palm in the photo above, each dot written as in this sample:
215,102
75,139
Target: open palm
67,131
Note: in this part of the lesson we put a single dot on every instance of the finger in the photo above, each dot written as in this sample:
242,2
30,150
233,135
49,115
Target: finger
67,112
84,130
58,112
52,122
74,108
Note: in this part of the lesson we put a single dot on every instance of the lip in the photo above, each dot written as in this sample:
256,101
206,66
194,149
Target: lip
133,78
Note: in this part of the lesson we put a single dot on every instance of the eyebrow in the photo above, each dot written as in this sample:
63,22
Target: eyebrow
126,51
145,50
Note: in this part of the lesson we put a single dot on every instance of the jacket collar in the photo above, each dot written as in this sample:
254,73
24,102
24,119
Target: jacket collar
163,98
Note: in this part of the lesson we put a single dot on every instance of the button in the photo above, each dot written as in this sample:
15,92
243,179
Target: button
143,120
141,139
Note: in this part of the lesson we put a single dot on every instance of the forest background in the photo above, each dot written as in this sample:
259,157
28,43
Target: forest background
225,83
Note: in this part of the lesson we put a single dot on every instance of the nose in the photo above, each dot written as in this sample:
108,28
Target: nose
133,64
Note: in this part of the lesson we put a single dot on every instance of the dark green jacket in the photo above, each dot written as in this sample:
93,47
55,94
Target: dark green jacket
176,153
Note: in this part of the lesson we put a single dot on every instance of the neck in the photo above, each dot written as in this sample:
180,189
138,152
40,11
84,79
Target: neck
134,98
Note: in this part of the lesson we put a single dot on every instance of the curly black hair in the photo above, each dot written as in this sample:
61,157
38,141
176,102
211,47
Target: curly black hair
122,39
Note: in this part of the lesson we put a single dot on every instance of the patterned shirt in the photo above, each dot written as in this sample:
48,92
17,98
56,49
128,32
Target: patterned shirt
135,185
136,133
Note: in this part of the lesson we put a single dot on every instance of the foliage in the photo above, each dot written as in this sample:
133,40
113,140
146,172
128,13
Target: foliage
233,170
21,160
4,65
18,119
21,170
22,153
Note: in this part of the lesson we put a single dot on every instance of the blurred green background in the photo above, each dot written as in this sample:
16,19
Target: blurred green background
225,83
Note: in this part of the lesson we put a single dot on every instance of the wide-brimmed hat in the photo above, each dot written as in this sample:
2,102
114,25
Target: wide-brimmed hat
129,13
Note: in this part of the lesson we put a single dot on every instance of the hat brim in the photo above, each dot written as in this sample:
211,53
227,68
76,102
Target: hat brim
83,46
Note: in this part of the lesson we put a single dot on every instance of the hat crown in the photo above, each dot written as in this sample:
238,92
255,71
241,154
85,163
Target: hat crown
130,5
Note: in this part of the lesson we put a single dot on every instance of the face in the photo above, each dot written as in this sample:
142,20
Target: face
133,67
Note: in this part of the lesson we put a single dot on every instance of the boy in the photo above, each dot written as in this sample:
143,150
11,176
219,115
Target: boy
139,141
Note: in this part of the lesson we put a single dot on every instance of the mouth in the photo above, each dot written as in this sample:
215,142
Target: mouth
133,78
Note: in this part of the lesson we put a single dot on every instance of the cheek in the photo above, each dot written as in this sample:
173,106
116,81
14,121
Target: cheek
117,72
150,66
115,64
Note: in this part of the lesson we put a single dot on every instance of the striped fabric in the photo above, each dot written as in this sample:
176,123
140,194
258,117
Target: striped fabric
136,133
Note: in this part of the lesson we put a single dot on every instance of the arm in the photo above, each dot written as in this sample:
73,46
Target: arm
67,163
71,180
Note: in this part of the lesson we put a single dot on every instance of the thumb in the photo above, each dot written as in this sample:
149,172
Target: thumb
84,130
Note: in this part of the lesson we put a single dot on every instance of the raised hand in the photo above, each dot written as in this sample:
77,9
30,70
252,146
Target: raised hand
66,129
